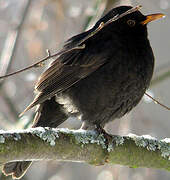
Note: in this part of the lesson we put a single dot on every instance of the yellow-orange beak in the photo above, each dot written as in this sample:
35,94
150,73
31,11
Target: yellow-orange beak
152,17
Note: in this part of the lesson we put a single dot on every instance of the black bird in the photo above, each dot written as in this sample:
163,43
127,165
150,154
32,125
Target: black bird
99,83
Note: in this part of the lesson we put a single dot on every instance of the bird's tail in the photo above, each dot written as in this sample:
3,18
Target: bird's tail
49,114
16,169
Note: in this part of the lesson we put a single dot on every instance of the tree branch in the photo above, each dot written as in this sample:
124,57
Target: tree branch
84,146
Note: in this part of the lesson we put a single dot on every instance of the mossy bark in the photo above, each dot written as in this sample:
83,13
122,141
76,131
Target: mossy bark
84,146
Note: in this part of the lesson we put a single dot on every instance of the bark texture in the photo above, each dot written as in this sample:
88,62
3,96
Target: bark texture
84,146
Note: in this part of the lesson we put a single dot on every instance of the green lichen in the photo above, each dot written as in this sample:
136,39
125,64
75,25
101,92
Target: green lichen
116,140
93,137
46,134
16,136
153,144
164,146
10,134
87,137
2,139
119,140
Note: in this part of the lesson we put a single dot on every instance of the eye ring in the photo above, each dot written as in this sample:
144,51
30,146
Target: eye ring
131,23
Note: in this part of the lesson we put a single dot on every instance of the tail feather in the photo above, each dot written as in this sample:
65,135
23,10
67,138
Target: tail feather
32,104
16,169
49,114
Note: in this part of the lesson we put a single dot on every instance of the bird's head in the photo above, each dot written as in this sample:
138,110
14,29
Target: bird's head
134,22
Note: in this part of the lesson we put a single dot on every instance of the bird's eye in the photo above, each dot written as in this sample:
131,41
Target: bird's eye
131,23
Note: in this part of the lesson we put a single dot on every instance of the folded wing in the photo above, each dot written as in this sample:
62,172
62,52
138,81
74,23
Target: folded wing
67,70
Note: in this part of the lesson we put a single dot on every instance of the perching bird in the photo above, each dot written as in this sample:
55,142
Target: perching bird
98,83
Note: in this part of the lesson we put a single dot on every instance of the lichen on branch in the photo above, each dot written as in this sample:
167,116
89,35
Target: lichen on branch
84,146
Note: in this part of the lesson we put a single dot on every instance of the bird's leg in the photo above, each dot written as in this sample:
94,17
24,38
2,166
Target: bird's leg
100,131
108,137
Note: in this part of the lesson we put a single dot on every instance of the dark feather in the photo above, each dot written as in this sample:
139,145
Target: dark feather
61,76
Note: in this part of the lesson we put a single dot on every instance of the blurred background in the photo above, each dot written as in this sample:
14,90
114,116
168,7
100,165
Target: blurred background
28,28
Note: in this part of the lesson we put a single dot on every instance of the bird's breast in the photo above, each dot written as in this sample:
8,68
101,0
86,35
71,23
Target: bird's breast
114,88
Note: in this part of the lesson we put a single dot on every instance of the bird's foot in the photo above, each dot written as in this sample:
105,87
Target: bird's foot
108,138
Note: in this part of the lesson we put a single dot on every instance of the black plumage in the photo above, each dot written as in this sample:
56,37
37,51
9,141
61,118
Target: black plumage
99,83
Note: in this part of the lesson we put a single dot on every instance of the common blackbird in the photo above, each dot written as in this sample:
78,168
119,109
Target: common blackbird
98,83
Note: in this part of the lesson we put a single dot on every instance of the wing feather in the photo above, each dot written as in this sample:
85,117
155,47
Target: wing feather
67,70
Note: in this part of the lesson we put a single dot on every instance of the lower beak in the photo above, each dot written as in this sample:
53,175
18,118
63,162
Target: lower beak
152,17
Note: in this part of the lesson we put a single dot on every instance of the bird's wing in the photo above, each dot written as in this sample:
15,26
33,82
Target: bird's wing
67,70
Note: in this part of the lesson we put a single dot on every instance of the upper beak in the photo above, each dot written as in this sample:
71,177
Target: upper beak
152,17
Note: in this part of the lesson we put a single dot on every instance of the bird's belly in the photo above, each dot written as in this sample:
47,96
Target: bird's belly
104,96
